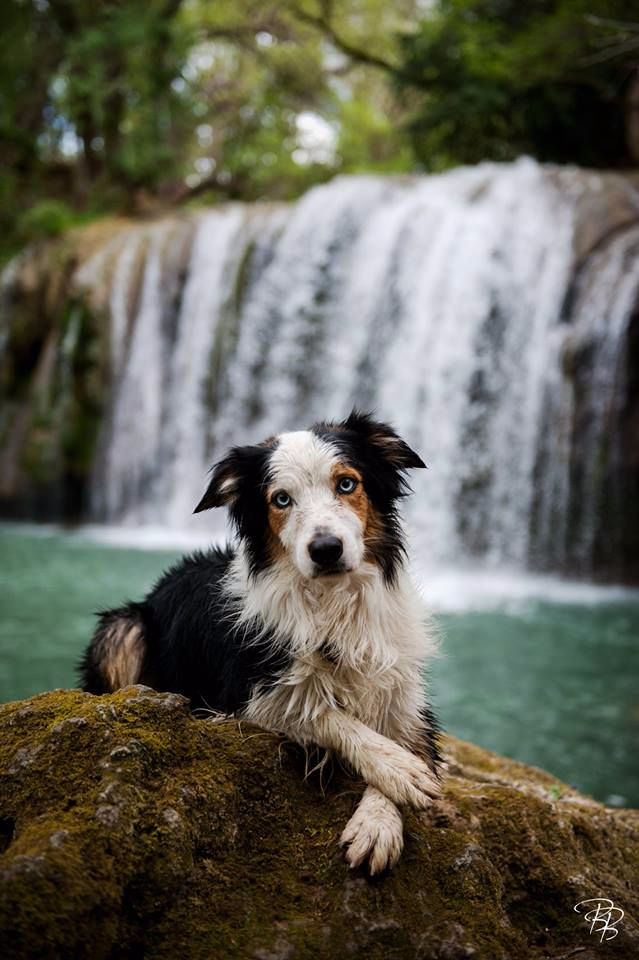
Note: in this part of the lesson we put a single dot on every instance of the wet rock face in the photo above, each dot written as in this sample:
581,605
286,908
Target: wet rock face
53,383
129,829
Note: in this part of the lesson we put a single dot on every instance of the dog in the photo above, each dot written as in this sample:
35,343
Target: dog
309,626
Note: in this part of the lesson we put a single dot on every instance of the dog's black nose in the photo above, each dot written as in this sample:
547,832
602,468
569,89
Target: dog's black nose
325,549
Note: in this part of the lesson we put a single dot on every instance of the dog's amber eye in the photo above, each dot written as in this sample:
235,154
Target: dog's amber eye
281,499
346,484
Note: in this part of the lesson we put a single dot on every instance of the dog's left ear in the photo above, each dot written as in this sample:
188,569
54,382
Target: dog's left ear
382,436
228,476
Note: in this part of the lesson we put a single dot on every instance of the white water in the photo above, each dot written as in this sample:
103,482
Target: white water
438,301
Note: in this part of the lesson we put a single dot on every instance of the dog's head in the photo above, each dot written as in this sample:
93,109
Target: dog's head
326,498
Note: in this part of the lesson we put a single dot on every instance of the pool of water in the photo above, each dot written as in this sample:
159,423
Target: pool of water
555,683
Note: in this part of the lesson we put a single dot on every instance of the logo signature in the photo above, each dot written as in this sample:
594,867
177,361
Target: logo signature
602,915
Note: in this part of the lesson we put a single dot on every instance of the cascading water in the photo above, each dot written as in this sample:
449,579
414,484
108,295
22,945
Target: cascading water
455,306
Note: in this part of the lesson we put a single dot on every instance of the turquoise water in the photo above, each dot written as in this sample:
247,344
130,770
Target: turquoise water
553,684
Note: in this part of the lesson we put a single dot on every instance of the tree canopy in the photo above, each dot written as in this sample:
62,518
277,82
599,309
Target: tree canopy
503,78
132,104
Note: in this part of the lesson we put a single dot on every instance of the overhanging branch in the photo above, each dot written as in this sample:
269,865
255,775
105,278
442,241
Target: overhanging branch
323,23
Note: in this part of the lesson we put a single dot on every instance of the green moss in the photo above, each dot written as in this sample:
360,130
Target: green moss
130,828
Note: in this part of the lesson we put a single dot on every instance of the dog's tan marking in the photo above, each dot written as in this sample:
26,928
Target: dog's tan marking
122,653
276,521
276,549
276,516
357,501
374,533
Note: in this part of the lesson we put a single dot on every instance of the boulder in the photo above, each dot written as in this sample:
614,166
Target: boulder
130,829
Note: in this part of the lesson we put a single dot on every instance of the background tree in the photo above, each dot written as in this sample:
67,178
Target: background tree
504,78
131,105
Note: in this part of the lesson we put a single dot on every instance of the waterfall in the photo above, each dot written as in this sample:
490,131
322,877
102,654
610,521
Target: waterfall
471,309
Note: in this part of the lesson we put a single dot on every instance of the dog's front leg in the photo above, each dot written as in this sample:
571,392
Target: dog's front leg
374,833
396,772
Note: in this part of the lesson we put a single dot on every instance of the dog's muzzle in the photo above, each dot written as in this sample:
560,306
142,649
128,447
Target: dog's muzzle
326,551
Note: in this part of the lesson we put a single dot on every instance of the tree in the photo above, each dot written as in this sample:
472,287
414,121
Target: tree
132,104
502,78
135,104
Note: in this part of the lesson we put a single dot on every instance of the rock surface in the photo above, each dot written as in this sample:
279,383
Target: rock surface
130,829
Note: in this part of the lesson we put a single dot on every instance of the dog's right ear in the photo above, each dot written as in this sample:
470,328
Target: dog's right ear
228,475
385,440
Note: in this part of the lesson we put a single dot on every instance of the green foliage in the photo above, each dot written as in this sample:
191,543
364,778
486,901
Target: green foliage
48,218
134,105
369,139
504,78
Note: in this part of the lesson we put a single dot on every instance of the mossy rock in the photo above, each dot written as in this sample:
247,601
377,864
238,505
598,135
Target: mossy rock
130,829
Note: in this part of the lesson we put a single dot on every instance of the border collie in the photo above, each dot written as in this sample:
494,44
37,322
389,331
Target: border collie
310,626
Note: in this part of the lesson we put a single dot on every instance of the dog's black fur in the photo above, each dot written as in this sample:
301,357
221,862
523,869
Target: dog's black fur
191,646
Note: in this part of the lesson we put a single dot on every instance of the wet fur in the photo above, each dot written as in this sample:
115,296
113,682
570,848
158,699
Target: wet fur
330,661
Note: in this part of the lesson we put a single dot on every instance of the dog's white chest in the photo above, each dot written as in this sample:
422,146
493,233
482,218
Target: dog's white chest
356,646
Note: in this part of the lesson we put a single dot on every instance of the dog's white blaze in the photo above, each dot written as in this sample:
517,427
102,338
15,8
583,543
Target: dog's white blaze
300,459
302,465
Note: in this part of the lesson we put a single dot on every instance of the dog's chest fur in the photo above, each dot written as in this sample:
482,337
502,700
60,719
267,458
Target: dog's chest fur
357,645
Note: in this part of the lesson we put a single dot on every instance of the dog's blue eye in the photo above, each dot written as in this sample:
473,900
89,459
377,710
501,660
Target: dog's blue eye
346,485
282,500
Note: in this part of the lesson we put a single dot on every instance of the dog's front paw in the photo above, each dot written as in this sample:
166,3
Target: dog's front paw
403,777
376,837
